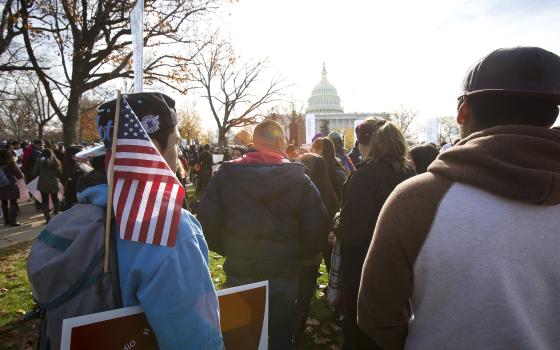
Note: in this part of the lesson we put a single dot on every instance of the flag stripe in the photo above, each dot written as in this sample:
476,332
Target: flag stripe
141,163
117,192
127,208
121,203
162,213
169,214
140,170
155,213
132,142
176,215
141,211
131,218
148,214
137,149
138,155
145,177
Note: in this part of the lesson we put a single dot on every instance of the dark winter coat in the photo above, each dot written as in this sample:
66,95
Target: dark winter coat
206,161
71,183
49,178
363,196
34,156
263,218
12,191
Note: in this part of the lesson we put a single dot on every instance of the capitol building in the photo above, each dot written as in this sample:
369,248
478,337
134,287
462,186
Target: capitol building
324,112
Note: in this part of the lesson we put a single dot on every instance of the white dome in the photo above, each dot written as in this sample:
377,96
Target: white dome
324,97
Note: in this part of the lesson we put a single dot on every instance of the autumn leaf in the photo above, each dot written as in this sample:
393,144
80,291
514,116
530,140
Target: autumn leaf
312,322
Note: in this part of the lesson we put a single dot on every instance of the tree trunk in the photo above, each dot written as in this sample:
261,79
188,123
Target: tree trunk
70,123
40,131
222,139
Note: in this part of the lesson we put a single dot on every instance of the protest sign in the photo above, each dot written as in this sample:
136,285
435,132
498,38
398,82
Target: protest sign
243,318
32,188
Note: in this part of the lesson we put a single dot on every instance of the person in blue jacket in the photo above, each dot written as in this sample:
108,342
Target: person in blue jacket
172,284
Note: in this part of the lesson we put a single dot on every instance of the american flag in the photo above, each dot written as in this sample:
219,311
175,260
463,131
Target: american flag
147,196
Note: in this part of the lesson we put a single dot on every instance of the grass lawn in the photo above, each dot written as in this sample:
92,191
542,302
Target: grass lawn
20,334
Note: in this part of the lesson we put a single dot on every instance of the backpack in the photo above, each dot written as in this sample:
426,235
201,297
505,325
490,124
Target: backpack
65,269
4,180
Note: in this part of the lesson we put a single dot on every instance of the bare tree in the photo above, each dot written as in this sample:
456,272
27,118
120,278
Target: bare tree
17,120
447,129
37,103
229,86
88,44
403,118
12,57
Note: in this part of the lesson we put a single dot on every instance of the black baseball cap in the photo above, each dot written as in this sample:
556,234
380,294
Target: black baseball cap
528,71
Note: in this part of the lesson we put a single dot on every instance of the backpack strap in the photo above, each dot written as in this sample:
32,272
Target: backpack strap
86,279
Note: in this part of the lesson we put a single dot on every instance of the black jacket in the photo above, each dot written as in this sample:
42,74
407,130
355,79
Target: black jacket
263,218
206,161
363,196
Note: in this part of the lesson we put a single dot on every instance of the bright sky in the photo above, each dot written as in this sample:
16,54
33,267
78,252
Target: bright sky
383,54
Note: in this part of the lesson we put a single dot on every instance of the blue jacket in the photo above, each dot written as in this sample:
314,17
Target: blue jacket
172,284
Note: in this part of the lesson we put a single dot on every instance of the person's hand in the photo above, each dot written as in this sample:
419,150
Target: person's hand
332,238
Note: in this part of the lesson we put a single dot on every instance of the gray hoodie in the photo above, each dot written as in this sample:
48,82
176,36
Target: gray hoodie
473,246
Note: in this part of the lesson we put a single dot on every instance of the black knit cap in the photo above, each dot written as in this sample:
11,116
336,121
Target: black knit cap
156,112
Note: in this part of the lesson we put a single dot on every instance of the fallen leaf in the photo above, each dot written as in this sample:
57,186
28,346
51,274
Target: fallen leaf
312,322
320,340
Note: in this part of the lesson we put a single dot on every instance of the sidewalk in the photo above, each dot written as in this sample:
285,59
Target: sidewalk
32,222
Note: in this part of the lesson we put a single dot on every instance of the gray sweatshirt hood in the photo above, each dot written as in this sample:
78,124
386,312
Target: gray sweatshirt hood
516,162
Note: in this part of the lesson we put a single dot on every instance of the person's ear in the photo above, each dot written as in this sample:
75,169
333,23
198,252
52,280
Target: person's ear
158,146
280,144
464,113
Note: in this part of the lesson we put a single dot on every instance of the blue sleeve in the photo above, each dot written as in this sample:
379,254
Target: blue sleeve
179,298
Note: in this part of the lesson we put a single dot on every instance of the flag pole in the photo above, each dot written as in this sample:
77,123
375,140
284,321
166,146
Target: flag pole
110,179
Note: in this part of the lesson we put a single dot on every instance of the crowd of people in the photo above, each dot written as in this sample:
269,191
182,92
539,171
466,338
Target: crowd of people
425,248
22,162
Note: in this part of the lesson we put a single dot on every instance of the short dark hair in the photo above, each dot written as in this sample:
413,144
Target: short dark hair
491,110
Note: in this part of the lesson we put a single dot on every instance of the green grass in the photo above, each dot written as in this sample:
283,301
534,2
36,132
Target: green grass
19,334
15,299
15,294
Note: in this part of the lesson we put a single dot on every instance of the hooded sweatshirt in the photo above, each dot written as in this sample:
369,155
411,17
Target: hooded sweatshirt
264,215
473,246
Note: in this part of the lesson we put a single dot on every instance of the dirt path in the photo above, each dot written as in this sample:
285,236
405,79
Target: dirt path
32,222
